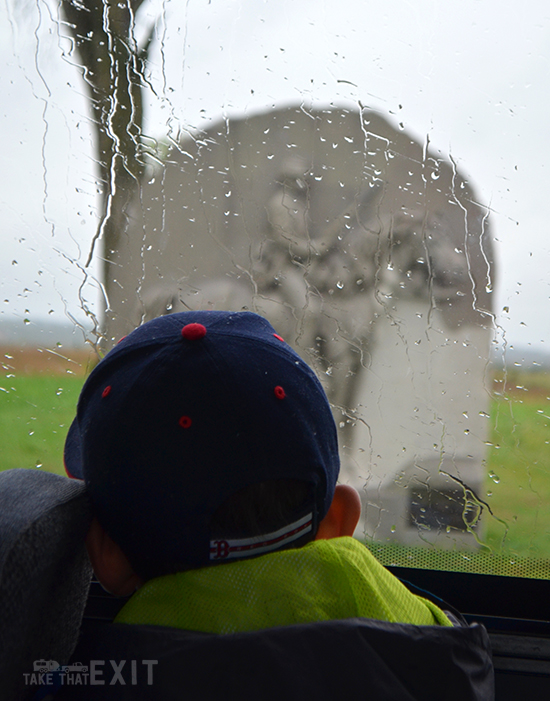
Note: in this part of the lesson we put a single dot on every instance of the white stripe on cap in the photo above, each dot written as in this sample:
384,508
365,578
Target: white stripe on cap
221,549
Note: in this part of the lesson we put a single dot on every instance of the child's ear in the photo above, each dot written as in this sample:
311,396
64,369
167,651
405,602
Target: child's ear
110,564
343,516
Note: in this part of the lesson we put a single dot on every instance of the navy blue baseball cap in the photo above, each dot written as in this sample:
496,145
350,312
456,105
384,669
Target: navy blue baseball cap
183,413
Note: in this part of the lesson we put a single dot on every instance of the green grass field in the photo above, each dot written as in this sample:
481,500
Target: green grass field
518,475
35,413
36,409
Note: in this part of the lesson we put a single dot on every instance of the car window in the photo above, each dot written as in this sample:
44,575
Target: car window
371,178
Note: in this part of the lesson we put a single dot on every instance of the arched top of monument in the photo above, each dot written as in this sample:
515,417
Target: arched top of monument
313,133
340,154
325,187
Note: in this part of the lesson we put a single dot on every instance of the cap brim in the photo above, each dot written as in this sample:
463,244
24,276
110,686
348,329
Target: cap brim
72,453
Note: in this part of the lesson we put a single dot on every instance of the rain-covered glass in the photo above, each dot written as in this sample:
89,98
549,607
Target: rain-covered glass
369,176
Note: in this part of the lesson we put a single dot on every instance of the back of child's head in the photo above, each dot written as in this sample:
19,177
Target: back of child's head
204,438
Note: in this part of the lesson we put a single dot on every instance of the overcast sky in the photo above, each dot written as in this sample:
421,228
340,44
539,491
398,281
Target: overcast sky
471,75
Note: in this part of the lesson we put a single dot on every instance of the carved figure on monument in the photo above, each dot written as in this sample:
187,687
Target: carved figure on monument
370,255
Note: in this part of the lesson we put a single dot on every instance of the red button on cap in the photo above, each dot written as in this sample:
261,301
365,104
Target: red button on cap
193,332
279,392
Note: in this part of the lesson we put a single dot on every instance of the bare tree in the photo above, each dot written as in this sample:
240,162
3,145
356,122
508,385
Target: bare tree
113,69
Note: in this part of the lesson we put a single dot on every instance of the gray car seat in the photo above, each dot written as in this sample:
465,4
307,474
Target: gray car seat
44,574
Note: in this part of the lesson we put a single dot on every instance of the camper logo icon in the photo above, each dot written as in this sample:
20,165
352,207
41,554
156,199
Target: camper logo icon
43,666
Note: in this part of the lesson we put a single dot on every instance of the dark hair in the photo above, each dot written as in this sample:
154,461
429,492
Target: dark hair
263,508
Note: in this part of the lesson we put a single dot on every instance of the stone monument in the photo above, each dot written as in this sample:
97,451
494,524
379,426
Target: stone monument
369,253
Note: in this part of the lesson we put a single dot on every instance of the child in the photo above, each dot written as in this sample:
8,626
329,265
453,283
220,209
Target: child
209,452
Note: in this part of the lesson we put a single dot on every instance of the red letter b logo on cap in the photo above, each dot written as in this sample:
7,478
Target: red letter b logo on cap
222,549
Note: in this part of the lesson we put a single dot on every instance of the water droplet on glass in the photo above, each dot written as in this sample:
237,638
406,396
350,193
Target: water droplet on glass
495,478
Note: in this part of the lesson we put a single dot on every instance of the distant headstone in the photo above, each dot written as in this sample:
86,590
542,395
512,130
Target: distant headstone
370,254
